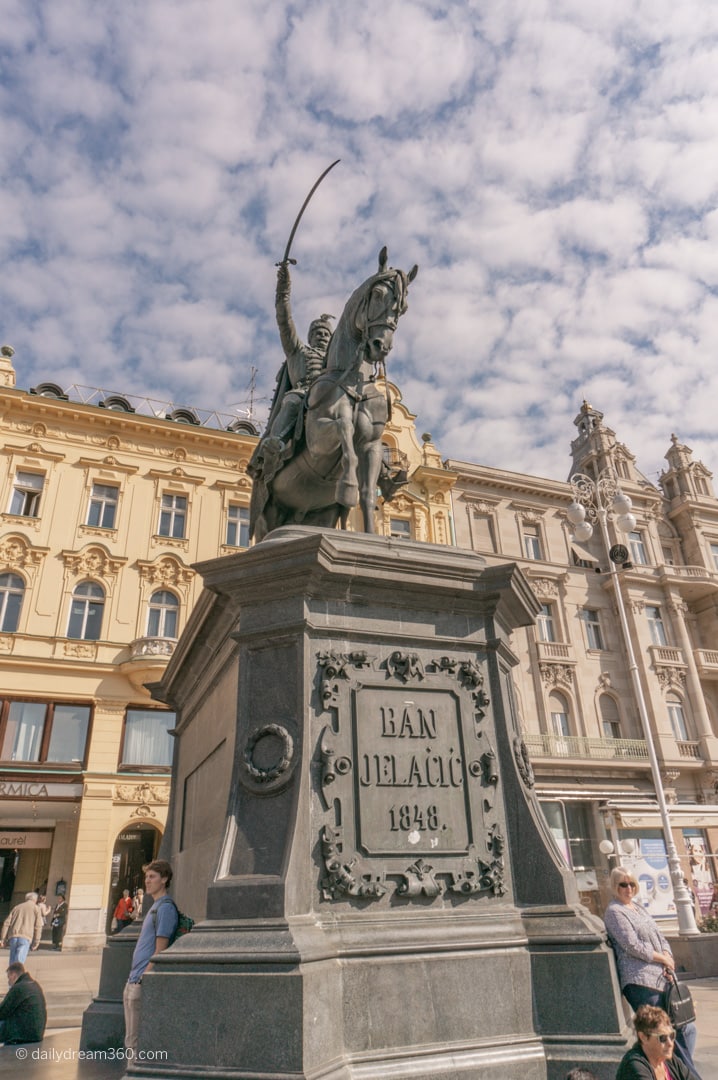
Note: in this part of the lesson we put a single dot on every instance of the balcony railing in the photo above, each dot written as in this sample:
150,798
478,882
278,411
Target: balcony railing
689,750
697,573
667,654
152,646
581,746
707,663
555,650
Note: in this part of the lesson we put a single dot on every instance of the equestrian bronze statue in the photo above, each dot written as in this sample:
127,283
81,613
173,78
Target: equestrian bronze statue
322,452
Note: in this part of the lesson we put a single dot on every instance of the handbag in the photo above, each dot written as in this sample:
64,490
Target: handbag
678,1003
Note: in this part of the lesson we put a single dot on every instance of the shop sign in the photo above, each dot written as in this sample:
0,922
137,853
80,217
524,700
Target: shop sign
34,789
11,839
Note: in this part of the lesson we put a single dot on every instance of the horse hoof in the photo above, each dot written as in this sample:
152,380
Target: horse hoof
347,494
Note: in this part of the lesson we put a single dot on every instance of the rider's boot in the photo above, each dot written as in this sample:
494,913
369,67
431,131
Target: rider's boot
272,453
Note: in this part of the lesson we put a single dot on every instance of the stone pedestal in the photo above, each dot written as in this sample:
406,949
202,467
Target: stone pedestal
354,827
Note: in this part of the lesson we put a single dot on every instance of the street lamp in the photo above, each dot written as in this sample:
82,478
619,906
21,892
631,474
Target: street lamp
600,500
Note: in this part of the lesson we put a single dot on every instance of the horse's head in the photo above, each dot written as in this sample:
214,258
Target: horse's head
365,331
383,303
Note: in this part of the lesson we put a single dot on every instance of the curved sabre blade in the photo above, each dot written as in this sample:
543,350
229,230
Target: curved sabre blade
305,204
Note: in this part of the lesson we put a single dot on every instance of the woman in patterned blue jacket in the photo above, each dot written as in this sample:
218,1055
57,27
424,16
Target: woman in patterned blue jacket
642,955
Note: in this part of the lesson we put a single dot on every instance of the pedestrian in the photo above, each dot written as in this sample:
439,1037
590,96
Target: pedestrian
59,922
23,1013
23,928
643,956
138,898
124,910
45,908
158,930
652,1056
581,1074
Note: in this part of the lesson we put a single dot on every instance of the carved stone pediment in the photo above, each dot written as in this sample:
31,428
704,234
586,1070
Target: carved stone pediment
142,793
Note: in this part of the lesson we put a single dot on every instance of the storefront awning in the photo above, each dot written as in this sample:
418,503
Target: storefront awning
645,814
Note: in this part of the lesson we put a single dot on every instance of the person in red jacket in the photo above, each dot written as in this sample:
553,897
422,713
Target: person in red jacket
124,910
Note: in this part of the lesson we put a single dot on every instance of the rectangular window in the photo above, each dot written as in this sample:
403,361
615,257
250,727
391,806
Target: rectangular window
611,729
655,626
147,742
25,500
103,506
400,528
714,553
638,549
173,516
52,732
238,526
593,628
545,624
68,735
532,542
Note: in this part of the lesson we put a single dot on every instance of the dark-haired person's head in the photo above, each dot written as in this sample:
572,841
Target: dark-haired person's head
158,875
14,971
581,1074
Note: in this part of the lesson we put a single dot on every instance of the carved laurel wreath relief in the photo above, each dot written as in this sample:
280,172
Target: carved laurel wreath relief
407,779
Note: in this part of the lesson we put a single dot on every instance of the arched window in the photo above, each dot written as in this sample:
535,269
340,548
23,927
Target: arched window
610,722
677,718
163,614
12,588
88,603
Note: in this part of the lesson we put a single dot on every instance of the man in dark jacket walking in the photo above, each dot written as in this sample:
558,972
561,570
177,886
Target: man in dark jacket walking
23,1013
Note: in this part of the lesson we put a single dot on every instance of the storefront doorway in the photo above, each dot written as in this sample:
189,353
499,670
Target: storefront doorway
24,865
135,846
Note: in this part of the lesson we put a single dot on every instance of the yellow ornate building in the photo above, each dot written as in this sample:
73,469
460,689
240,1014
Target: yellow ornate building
106,501
103,510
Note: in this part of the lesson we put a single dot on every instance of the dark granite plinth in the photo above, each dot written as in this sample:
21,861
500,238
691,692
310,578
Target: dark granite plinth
353,824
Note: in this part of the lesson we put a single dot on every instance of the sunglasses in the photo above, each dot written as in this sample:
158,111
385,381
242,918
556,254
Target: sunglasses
664,1038
626,885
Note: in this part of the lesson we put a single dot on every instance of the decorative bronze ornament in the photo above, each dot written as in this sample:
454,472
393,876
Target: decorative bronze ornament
268,756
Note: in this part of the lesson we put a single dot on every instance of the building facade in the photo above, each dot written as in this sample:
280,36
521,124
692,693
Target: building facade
106,501
103,510
573,684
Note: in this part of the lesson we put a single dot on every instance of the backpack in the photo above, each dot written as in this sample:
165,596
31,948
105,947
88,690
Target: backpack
184,922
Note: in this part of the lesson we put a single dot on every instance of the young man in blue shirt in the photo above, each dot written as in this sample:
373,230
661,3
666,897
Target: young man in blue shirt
158,928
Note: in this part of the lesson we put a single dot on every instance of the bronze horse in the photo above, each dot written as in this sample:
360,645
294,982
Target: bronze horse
337,461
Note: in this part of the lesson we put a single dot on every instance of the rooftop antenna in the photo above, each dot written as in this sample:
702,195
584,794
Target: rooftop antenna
252,388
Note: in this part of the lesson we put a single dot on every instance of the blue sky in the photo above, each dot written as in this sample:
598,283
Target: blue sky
551,166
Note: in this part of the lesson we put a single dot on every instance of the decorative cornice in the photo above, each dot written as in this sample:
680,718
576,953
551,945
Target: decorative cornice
556,674
95,561
166,570
178,474
17,553
157,792
670,677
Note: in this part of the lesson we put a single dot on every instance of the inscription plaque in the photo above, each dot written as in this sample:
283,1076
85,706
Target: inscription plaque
408,779
411,778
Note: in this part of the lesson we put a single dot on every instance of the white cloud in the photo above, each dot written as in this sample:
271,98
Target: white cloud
552,167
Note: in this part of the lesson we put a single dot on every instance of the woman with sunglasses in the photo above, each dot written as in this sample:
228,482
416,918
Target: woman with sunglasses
643,956
652,1057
